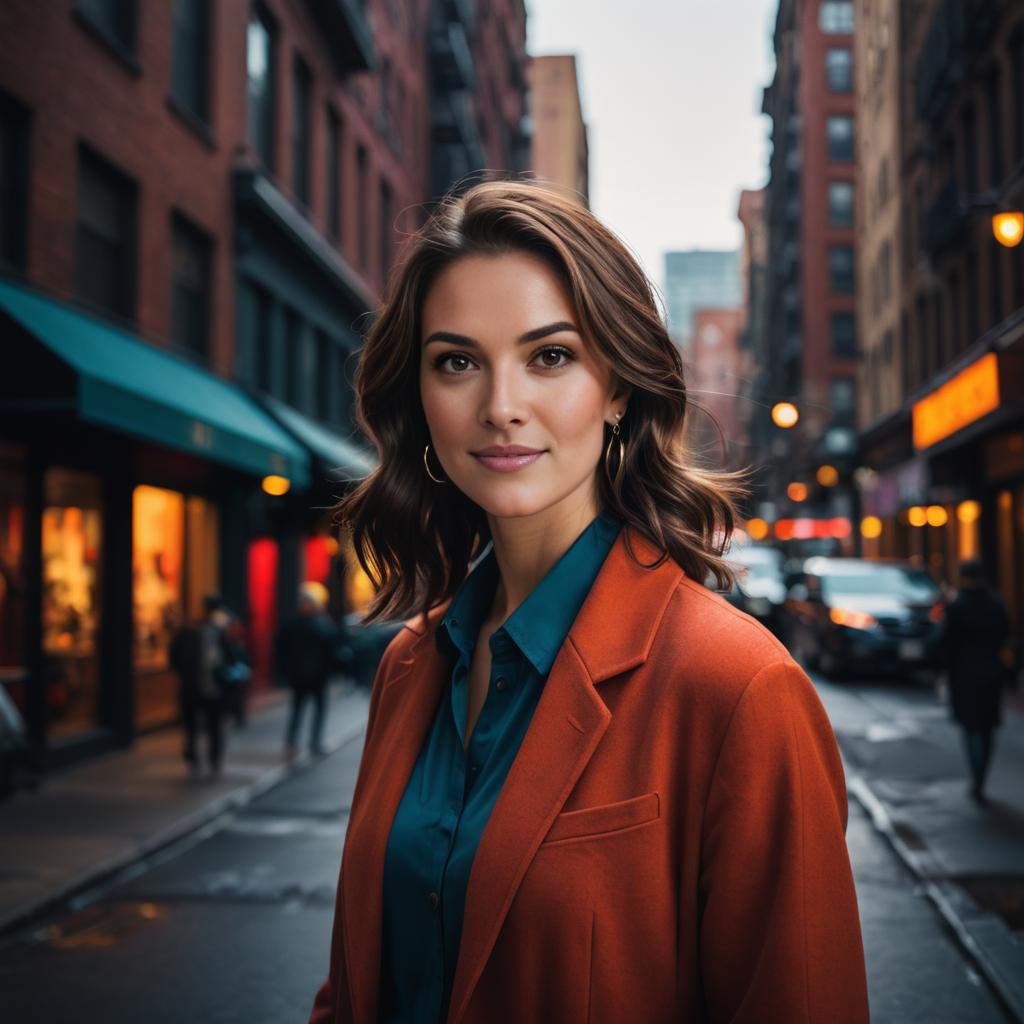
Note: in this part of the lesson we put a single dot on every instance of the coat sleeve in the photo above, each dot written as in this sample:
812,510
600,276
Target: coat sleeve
334,992
780,939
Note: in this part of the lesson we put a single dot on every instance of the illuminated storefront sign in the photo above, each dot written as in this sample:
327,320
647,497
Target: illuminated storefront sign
971,394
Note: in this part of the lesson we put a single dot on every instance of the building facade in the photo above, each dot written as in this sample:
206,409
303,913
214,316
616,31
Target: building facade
809,329
559,151
944,445
200,207
698,278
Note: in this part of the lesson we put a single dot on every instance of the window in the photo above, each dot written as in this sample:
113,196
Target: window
840,138
190,287
333,174
114,20
993,88
190,70
844,335
324,376
973,317
840,204
840,265
14,139
256,330
835,17
885,270
293,359
839,69
970,148
1017,59
362,202
841,398
72,599
13,557
105,235
260,68
302,87
386,230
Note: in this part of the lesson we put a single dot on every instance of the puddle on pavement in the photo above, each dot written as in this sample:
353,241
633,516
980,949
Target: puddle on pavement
102,926
1002,896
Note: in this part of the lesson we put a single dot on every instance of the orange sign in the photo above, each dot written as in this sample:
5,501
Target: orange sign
971,394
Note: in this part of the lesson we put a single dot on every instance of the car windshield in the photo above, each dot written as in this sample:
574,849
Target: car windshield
761,563
888,580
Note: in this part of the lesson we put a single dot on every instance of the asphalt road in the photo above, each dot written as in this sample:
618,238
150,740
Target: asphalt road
233,924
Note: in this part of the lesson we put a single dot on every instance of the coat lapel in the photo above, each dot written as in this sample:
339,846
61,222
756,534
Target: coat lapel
408,702
609,636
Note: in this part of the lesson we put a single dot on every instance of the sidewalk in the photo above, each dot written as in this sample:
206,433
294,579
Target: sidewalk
907,769
93,819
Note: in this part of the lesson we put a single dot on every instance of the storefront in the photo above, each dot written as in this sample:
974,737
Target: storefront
958,491
130,484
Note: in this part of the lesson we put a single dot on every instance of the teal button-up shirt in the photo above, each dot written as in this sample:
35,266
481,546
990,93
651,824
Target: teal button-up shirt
451,792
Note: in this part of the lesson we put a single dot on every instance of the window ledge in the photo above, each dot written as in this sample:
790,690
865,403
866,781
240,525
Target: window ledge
192,121
114,46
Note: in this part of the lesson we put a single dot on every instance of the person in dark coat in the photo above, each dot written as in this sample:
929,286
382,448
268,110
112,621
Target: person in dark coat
305,654
198,653
977,629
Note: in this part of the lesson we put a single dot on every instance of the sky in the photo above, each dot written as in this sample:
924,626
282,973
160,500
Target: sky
671,94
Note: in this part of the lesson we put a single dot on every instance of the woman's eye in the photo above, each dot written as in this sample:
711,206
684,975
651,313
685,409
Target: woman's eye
551,358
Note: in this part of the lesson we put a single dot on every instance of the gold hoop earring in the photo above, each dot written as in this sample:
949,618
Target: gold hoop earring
427,467
614,480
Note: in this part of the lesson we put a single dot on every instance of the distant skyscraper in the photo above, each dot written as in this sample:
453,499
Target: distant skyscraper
696,279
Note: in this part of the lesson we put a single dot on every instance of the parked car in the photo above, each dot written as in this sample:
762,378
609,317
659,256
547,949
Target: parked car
760,587
872,616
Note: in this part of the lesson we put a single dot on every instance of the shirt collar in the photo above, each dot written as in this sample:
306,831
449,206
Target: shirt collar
539,625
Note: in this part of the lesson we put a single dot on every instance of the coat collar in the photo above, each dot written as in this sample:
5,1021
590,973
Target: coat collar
610,635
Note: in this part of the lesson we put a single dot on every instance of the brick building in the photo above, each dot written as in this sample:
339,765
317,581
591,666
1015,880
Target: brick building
559,135
943,441
809,328
199,205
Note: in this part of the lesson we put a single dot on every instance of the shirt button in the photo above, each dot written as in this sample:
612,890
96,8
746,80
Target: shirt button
473,769
434,900
499,683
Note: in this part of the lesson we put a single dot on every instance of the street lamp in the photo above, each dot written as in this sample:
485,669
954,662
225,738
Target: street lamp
1008,227
785,415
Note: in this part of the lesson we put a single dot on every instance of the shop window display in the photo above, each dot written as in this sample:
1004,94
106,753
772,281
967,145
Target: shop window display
175,558
12,571
71,600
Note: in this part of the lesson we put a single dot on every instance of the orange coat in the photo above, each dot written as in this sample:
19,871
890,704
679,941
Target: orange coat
669,842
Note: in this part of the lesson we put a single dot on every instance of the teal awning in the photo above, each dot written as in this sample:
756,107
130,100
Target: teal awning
129,385
339,458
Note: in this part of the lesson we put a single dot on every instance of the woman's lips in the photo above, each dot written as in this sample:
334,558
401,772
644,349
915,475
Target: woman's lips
508,463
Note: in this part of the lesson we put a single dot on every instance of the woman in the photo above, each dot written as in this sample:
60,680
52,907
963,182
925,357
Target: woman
591,790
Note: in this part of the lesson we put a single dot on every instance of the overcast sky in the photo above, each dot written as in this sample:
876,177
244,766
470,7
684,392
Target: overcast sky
671,93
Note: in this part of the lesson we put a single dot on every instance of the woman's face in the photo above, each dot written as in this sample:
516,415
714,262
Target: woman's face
502,364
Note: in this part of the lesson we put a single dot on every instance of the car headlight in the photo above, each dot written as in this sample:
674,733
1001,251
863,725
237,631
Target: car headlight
852,619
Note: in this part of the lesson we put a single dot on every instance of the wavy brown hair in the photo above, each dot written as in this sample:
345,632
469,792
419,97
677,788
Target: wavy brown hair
415,540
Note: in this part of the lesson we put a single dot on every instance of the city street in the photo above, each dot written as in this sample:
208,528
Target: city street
233,922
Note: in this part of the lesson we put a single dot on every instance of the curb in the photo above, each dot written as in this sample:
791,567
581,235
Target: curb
948,901
102,873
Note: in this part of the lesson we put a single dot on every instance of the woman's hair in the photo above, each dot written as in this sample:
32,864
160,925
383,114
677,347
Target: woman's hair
416,539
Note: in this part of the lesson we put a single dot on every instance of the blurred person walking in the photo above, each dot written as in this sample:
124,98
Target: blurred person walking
305,656
199,653
977,631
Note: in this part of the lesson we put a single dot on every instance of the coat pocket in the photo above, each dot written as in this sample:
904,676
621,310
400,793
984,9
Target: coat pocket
606,819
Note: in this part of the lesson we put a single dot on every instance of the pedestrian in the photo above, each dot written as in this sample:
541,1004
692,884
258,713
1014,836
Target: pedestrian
237,674
976,633
305,655
198,653
591,789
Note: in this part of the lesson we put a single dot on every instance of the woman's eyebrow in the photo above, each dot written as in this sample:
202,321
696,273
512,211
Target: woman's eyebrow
535,335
